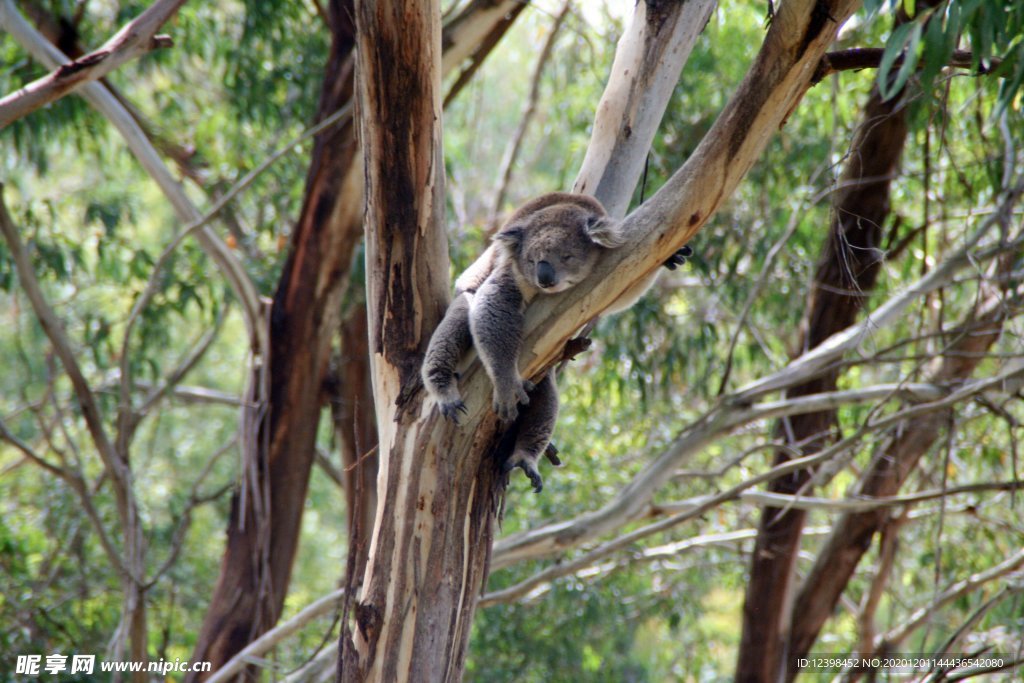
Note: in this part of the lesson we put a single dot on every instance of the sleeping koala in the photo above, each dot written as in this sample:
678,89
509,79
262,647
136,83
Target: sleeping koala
548,245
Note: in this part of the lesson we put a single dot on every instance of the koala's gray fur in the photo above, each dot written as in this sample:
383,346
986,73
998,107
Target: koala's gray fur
547,246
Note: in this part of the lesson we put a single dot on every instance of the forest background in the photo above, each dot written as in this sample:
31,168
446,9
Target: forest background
731,479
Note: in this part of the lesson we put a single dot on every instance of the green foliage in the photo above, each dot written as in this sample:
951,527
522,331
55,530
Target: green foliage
94,226
993,34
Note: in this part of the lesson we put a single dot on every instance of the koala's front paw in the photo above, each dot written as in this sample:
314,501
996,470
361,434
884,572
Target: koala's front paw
506,403
451,409
679,258
528,463
506,408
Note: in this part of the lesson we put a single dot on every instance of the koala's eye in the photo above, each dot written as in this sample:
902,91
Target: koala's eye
567,258
592,221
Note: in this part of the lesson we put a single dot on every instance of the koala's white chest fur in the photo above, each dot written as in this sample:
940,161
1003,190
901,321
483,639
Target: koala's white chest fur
526,288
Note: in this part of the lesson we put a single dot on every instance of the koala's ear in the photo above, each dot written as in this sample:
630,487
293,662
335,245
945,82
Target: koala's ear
605,232
511,237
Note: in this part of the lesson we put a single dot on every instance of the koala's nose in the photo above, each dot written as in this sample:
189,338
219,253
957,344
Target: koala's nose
545,274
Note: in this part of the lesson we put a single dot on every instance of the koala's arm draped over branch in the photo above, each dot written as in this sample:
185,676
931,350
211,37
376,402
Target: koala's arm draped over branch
781,74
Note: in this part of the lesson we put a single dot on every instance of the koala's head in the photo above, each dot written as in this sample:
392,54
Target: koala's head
555,240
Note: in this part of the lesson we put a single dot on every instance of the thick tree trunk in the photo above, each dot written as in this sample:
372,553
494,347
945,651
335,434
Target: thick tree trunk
436,503
844,279
263,530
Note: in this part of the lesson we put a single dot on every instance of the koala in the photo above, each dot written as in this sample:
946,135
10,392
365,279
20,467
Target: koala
547,246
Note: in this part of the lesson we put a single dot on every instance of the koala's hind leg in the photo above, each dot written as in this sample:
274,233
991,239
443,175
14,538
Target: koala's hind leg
536,424
449,342
496,322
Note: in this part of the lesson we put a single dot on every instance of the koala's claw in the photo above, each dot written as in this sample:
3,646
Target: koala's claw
451,410
678,258
529,467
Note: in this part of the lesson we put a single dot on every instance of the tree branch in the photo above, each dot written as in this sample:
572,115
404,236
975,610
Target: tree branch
457,34
324,605
871,57
699,505
103,101
896,635
648,61
115,464
472,27
136,38
632,502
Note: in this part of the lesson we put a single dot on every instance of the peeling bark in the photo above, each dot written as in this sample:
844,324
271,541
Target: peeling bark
262,538
355,429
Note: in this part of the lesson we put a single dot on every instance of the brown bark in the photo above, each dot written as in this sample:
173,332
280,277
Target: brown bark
892,464
355,428
259,554
134,39
262,537
845,276
421,581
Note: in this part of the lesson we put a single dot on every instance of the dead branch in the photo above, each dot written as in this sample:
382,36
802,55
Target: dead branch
858,58
136,38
